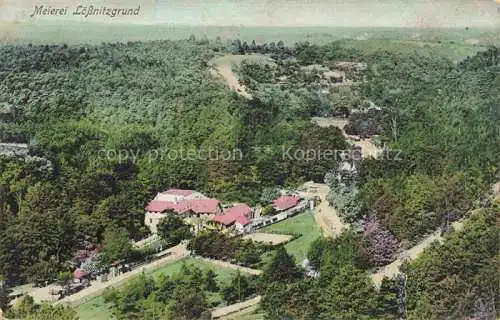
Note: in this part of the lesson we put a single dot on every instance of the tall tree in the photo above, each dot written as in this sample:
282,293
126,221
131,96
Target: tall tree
116,245
173,229
282,267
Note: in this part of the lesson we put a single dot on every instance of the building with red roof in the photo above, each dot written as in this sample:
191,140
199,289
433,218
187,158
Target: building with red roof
286,202
237,217
191,205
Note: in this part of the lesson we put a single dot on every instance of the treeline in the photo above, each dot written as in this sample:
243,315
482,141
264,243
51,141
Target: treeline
458,279
341,290
188,294
218,246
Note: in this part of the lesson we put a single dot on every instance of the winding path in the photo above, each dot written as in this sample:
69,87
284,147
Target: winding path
326,216
368,148
224,311
392,269
97,288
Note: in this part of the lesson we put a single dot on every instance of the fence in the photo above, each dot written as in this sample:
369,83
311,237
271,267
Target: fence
265,221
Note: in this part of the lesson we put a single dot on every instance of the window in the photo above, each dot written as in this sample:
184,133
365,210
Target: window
151,220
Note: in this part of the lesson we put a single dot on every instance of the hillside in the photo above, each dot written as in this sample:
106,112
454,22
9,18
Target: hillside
110,125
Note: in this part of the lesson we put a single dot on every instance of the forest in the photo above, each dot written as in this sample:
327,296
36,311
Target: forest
93,116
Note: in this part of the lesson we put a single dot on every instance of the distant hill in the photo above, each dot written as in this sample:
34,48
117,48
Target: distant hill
78,32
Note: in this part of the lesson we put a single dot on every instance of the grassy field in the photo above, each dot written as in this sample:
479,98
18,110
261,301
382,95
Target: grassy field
97,309
94,309
252,313
304,224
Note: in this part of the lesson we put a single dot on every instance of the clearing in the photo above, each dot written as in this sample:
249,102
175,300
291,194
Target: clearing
270,238
222,67
368,148
303,224
326,216
236,308
97,287
250,313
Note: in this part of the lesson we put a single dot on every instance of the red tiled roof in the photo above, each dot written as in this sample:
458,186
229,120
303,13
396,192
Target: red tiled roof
238,213
243,220
286,202
203,205
179,192
195,205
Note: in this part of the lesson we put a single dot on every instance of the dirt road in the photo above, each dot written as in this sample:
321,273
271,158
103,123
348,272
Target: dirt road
224,311
392,269
270,238
368,149
222,67
225,71
231,266
177,252
496,191
326,216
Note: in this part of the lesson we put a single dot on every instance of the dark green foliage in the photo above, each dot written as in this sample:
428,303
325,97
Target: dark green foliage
240,288
173,229
116,246
282,268
219,246
328,255
349,295
210,284
290,300
4,296
456,279
388,301
183,295
412,206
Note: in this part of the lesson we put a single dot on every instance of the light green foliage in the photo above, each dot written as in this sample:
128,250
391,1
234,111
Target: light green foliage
116,246
454,280
282,267
185,294
349,295
268,195
26,308
173,229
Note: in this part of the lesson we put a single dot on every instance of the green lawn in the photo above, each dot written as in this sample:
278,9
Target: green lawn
304,224
96,308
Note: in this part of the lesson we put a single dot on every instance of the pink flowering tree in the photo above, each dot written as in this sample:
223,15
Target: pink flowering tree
380,244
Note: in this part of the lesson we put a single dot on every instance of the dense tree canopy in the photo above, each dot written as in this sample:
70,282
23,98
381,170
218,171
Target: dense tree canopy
110,125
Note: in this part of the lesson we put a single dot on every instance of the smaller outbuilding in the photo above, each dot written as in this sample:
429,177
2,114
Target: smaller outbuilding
237,217
286,202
